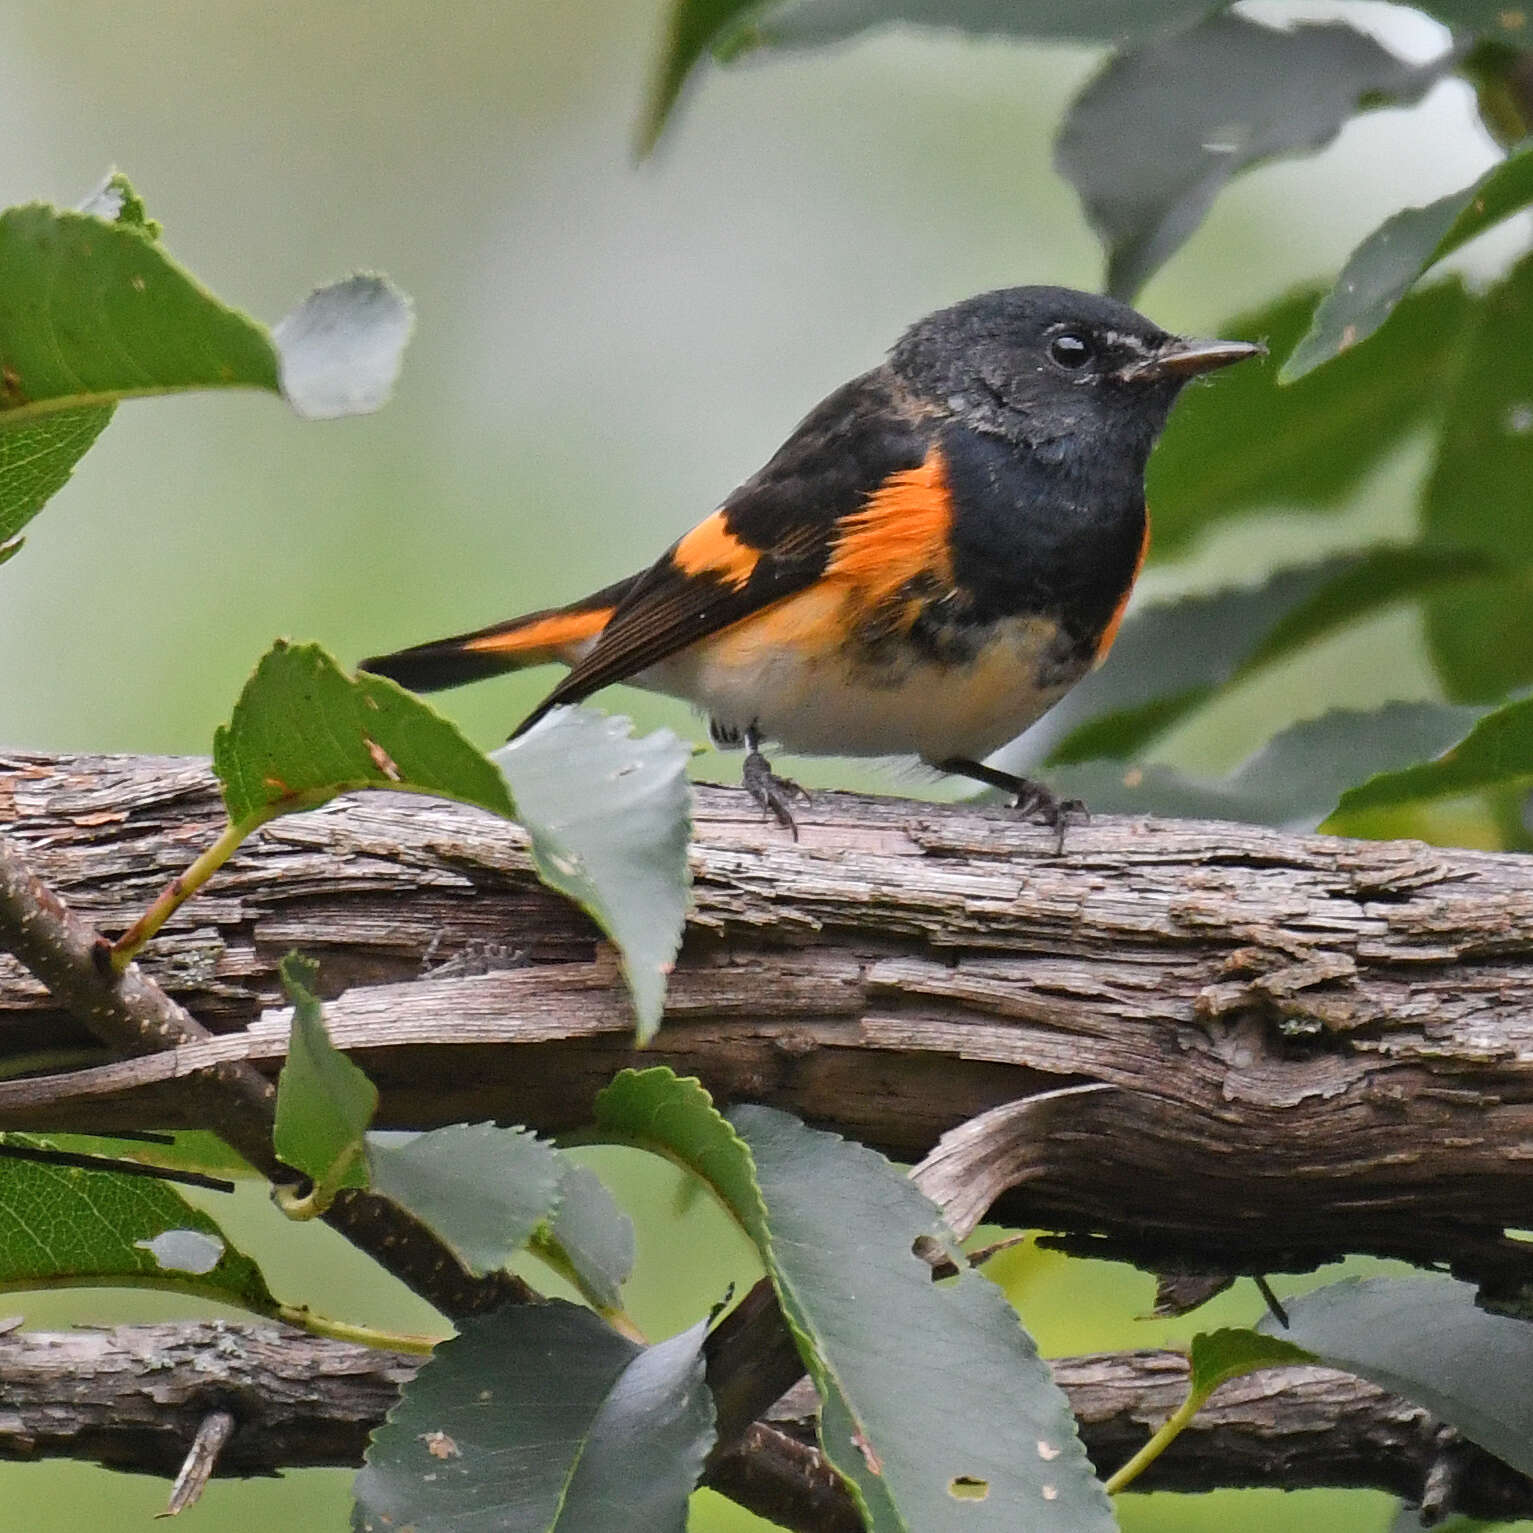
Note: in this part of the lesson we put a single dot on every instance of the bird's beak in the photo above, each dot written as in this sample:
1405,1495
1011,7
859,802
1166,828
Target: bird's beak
1180,358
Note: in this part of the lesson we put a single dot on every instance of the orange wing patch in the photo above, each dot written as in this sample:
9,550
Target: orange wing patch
542,638
1109,633
902,535
712,549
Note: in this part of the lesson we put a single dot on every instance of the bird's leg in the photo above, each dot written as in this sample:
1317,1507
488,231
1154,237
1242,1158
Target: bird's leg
1032,798
772,792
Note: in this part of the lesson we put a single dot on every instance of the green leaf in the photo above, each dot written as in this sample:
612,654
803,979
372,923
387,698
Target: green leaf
1248,445
1218,1356
692,28
1497,750
1424,1338
810,23
610,818
324,1102
1156,136
117,202
593,1234
303,731
1292,782
482,1190
92,311
37,458
908,1371
1478,495
538,1418
64,1224
1171,656
659,1108
1489,18
1384,267
727,28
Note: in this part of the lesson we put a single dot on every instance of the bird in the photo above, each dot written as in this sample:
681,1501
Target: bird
937,553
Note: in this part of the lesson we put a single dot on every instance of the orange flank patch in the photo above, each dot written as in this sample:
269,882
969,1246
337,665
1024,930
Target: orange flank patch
901,535
808,625
1109,633
541,637
712,549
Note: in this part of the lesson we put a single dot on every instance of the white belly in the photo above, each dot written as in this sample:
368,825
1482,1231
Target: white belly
816,702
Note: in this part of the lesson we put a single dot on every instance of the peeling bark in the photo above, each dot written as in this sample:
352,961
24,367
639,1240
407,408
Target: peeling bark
1316,1046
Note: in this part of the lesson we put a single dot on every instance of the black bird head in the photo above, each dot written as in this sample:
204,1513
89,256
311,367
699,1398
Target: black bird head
1052,368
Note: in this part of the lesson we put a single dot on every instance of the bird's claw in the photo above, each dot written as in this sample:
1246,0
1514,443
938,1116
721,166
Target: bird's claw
775,794
1035,800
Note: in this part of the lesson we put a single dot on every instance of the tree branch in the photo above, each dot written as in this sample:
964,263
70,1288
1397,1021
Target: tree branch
131,1012
1302,1047
134,1398
1316,1046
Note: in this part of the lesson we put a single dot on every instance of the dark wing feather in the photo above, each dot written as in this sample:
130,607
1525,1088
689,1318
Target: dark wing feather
772,538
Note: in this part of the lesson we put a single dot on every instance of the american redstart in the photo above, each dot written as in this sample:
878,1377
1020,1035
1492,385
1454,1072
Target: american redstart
931,560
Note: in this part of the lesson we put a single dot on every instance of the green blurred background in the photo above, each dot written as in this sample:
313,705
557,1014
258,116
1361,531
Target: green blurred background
603,350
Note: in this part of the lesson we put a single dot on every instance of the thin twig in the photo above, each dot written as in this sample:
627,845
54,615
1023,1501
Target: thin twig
201,1460
10,1150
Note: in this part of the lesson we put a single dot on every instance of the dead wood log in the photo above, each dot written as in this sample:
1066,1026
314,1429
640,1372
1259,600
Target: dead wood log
1317,1046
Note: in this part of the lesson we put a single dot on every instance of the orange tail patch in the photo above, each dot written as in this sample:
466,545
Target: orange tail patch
538,639
532,640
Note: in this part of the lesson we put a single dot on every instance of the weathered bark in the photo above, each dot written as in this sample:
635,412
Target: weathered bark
1317,1046
132,1014
133,1398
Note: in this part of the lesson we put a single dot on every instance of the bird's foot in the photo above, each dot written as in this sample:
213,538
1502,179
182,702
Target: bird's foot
775,794
1039,803
1034,799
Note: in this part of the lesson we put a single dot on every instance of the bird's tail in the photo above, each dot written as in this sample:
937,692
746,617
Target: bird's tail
556,633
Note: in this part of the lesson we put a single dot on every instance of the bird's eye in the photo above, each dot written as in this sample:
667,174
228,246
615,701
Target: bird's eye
1071,350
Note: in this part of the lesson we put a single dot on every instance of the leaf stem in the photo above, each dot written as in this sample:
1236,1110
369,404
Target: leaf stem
1159,1442
181,888
305,1319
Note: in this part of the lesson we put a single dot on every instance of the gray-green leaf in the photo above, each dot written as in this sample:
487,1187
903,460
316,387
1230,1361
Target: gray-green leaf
1479,495
1292,782
538,1418
593,1234
324,1102
610,818
481,1189
1249,446
909,1372
726,28
1380,272
810,23
1154,138
1171,656
1497,750
1424,1338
